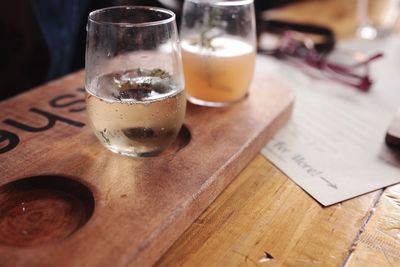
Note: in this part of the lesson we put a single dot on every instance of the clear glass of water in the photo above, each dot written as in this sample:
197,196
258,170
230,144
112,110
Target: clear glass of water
134,80
377,18
218,50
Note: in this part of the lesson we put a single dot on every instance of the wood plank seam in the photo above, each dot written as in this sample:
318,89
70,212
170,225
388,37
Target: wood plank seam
362,228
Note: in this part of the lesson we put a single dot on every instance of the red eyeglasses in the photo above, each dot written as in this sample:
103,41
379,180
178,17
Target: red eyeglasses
301,50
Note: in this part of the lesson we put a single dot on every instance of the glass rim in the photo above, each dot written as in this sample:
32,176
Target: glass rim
132,24
225,2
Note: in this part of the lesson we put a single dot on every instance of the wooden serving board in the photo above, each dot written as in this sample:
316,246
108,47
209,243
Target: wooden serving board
85,206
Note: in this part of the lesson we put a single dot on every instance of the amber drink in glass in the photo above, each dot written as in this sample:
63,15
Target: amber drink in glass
218,50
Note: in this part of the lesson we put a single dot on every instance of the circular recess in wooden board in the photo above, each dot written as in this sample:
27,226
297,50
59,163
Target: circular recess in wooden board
43,209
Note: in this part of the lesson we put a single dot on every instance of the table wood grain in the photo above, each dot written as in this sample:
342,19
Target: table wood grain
264,219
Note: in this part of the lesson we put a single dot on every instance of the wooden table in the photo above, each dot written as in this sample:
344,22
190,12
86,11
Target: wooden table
264,219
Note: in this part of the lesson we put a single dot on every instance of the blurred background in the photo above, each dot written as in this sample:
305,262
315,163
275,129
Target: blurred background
44,39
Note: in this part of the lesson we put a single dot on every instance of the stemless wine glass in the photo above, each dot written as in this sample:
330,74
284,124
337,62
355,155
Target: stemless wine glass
218,50
134,80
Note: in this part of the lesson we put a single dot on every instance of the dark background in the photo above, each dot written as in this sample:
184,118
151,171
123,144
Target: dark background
44,39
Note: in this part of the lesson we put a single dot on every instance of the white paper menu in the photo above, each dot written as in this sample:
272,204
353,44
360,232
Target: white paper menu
333,145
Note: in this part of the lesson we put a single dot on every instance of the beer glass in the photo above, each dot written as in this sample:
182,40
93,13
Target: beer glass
377,18
134,80
218,50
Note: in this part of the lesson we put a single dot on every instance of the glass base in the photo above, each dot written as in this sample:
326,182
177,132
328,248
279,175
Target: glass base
134,154
205,103
371,32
